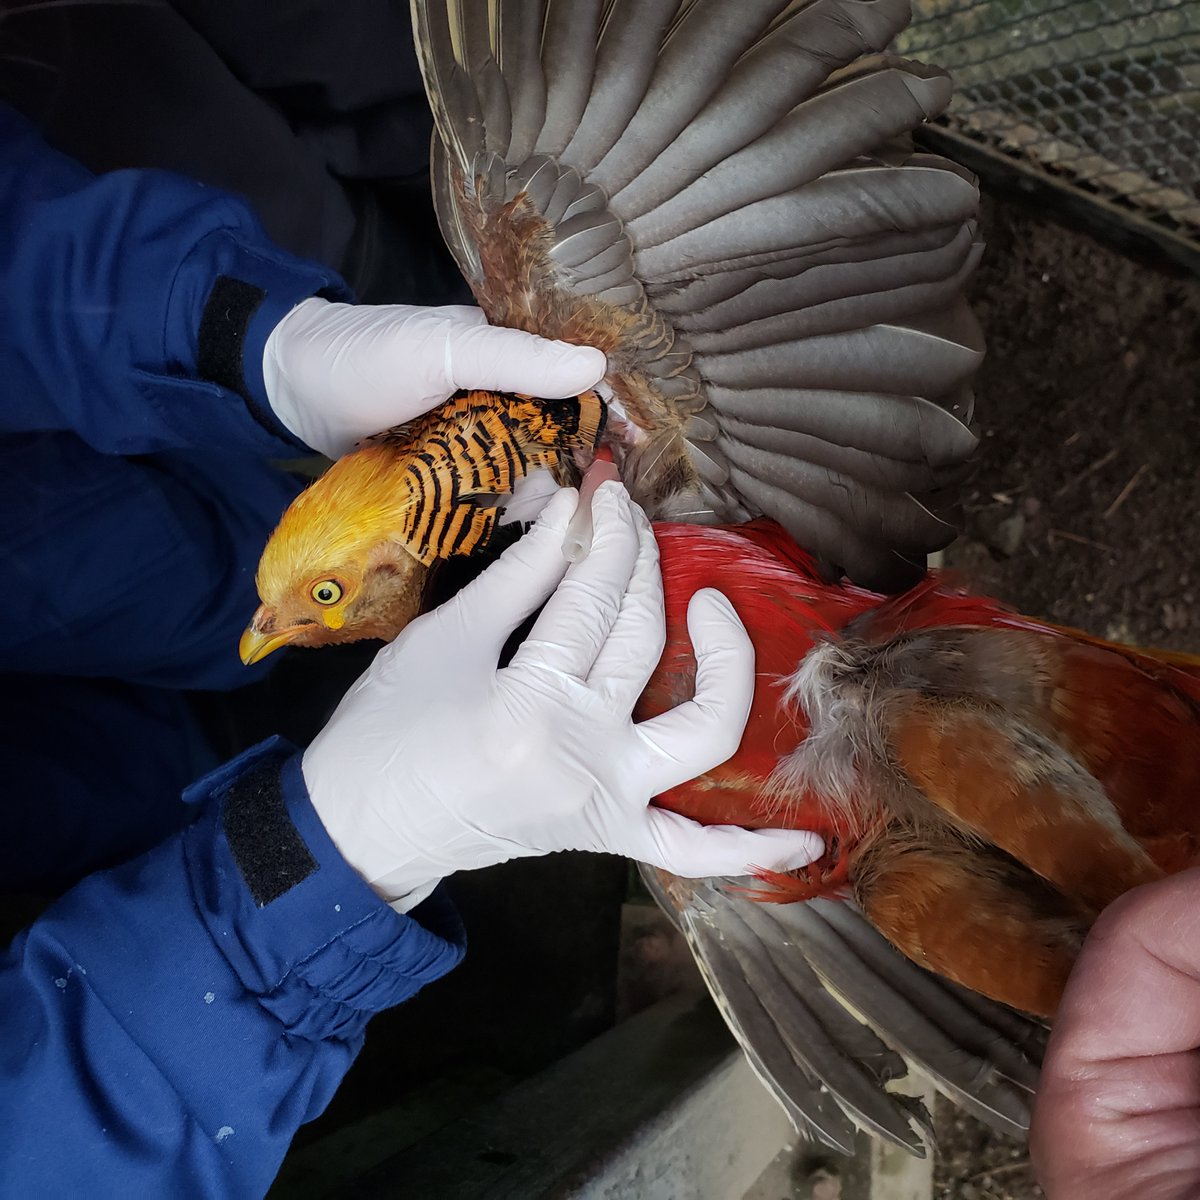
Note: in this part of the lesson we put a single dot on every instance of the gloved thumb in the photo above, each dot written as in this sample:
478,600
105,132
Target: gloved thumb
698,851
510,360
517,584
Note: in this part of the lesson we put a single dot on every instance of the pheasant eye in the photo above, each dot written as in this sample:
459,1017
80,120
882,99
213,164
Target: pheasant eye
328,591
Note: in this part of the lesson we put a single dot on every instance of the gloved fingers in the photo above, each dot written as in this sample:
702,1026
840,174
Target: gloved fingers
695,851
628,658
530,495
509,360
493,604
707,730
577,620
335,373
460,314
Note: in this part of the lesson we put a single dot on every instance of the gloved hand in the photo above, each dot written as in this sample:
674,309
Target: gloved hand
437,761
336,373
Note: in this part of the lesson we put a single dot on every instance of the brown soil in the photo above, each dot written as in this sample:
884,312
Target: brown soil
1089,410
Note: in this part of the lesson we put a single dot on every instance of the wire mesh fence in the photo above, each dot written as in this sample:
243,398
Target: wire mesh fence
1101,96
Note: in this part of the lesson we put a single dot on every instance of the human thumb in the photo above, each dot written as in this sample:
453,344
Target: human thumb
517,584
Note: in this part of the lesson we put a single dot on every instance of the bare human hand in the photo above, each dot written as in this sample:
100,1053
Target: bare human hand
1118,1108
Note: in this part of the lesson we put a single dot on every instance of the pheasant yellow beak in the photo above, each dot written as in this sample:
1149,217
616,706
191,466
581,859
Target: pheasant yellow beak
262,638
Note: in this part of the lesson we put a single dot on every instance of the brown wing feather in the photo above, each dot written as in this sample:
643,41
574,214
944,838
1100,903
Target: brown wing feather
1133,719
998,780
972,915
1058,771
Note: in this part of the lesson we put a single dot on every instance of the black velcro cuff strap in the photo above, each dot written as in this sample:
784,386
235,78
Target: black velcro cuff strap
269,853
231,306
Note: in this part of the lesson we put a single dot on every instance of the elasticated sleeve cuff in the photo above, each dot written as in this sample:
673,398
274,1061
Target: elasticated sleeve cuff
299,927
175,1020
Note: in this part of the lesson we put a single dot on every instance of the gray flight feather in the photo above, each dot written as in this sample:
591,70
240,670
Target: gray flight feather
913,359
456,237
783,68
879,307
811,1107
824,133
567,194
622,295
608,283
908,527
906,428
517,47
740,440
489,175
494,104
805,1016
695,61
847,204
794,286
537,177
470,24
583,237
589,199
451,91
625,61
826,534
568,64
795,1041
613,263
972,1050
690,299
710,462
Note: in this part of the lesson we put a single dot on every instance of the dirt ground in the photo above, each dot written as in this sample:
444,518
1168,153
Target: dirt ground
1089,480
1089,410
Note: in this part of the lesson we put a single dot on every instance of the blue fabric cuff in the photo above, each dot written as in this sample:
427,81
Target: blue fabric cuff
301,929
228,297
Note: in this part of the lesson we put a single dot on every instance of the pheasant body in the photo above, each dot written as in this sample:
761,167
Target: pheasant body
986,783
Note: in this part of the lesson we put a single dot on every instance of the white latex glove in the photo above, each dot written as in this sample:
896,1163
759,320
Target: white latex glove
336,373
437,761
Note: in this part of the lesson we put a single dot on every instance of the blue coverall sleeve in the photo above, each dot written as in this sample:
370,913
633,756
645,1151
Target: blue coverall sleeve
169,1024
135,305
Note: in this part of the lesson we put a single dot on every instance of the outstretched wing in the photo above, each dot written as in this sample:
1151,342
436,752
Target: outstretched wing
724,198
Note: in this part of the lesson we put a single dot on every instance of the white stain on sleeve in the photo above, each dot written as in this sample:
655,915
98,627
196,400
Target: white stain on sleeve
226,1131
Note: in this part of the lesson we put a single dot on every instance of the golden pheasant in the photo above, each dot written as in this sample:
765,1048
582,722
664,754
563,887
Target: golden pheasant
723,198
